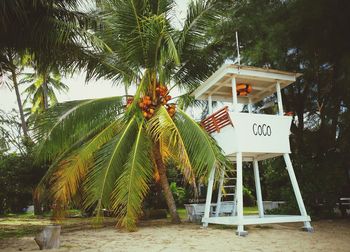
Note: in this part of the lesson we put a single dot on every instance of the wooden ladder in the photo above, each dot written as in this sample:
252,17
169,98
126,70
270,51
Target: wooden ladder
226,203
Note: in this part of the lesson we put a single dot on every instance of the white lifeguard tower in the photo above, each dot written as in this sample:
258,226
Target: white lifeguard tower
248,137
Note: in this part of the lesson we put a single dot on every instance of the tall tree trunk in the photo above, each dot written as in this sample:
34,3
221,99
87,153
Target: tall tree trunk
45,93
37,205
165,185
126,90
19,102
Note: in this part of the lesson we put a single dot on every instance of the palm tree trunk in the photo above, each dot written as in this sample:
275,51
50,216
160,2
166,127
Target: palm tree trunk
19,102
165,185
126,90
37,205
45,94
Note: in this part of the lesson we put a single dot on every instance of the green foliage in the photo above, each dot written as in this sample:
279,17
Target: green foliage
133,183
75,116
148,40
248,197
52,32
10,133
179,193
18,178
41,92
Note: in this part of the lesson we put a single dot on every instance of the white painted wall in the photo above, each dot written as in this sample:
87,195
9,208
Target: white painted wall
241,137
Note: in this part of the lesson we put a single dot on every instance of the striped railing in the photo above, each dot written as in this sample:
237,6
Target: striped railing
217,121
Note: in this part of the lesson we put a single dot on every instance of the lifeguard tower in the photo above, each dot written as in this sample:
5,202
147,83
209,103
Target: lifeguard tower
247,137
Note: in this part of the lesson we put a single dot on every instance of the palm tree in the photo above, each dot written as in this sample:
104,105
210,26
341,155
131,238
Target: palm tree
10,136
110,149
12,67
41,91
46,29
52,33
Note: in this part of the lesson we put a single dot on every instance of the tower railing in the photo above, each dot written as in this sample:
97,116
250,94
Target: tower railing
216,121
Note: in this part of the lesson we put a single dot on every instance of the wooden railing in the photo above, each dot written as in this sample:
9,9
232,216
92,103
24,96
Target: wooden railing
217,121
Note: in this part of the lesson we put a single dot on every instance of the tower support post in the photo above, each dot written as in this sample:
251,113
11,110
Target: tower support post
258,188
210,105
240,228
234,95
279,99
302,209
250,106
209,195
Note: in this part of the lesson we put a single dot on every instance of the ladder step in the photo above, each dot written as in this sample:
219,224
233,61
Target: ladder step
228,194
229,186
229,178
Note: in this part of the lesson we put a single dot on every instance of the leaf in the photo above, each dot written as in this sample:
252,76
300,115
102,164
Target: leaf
163,129
66,174
202,150
108,166
61,126
133,184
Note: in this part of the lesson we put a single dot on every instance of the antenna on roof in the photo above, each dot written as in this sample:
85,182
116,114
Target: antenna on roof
238,55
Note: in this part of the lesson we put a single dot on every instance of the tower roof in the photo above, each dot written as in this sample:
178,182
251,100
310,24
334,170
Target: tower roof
262,80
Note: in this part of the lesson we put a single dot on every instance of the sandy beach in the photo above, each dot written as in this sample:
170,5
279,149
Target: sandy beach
162,236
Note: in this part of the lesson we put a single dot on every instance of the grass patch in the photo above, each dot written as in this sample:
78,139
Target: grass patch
250,210
20,215
182,213
246,211
18,225
22,225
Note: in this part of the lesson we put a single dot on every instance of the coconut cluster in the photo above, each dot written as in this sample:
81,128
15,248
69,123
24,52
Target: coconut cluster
148,106
164,98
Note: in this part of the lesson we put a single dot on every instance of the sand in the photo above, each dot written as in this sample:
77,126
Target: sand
160,236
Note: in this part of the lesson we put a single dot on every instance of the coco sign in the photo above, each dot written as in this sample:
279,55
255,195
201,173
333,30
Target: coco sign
261,130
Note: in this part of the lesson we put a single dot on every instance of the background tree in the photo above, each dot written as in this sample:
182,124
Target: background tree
306,37
41,90
47,29
18,173
54,34
11,67
10,133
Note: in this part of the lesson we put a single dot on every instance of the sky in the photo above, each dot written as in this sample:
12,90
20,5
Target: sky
78,88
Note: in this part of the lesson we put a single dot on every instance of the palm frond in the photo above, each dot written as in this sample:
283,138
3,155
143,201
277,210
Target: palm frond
199,51
123,18
164,130
52,96
133,184
66,181
73,163
172,50
72,171
61,126
108,166
52,32
159,7
202,150
199,14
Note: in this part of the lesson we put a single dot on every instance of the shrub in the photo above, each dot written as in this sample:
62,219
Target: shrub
18,177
